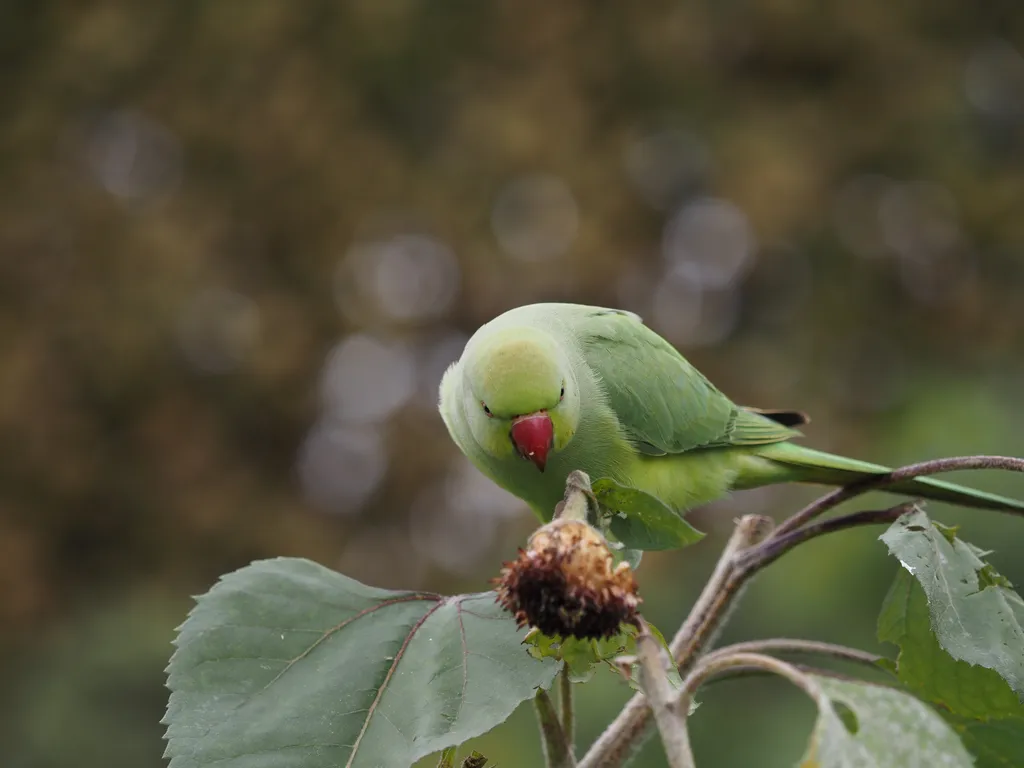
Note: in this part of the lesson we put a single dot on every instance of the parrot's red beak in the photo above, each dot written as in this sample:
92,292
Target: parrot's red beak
533,435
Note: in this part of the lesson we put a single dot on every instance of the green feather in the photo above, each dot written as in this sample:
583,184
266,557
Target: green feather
806,465
664,404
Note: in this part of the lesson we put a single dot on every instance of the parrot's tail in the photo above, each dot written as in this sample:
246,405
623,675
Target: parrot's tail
799,464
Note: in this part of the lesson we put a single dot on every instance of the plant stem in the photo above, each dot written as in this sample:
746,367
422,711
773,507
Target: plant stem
557,752
710,666
876,482
578,503
740,671
706,616
662,700
625,734
568,715
788,645
778,544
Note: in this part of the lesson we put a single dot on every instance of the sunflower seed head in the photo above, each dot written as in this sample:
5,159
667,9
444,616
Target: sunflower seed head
565,583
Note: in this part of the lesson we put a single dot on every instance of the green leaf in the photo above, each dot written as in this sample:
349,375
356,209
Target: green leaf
931,673
861,725
285,663
582,656
994,744
977,702
976,618
630,556
641,521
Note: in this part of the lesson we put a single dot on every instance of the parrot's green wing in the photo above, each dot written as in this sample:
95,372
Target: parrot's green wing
664,404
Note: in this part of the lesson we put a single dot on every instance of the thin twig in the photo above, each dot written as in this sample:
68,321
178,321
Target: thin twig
776,545
627,732
741,671
661,697
557,753
711,666
717,664
568,715
909,472
706,616
792,645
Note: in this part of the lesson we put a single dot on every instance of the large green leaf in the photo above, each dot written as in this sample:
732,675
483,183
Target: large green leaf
286,664
975,615
931,673
641,521
994,744
861,725
977,702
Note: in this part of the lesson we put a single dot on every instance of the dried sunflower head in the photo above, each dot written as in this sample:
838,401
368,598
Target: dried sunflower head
565,583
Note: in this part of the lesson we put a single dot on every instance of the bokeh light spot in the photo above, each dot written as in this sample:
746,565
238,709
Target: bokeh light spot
454,523
340,465
365,380
434,358
409,277
690,315
994,80
132,156
710,242
535,218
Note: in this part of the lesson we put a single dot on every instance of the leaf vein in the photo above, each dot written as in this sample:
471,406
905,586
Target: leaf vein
465,659
387,679
338,627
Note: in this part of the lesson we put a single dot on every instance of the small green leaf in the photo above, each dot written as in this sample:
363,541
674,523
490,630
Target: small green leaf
630,556
641,521
980,623
861,725
949,532
542,646
989,577
931,673
582,656
659,637
285,663
447,758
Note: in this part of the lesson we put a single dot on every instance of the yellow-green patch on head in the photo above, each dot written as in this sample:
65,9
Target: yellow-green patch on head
516,371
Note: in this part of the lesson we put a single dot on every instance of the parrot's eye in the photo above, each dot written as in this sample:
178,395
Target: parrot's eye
561,396
486,409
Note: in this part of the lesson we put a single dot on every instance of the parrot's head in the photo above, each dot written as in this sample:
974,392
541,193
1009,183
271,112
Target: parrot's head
521,395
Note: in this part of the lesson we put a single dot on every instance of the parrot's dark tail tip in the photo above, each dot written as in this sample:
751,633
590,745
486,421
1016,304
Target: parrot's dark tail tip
785,418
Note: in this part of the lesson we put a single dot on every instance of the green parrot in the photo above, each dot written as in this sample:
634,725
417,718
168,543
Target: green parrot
548,388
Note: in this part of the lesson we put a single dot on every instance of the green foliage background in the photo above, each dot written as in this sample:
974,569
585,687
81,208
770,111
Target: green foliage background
197,200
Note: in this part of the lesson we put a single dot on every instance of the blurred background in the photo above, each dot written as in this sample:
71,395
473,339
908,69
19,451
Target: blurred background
240,242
